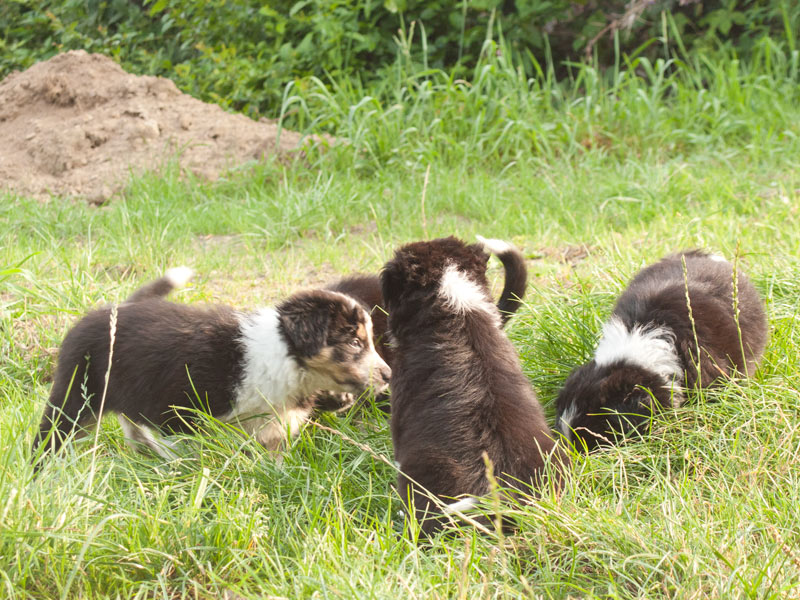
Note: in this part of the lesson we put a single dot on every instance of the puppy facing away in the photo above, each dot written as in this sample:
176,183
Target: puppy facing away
458,390
657,344
367,290
254,369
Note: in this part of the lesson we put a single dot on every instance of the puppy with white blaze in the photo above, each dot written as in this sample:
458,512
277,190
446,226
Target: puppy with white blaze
682,323
256,369
458,390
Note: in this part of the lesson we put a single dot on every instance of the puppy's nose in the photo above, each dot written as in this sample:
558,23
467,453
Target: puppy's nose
385,373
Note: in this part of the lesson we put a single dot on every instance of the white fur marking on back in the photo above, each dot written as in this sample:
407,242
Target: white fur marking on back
179,276
494,246
565,421
460,293
717,258
652,348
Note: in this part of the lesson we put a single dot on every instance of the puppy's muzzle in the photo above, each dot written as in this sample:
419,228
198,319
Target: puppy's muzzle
380,375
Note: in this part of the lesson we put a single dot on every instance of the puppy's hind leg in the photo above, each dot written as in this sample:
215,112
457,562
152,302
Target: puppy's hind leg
68,410
56,426
138,435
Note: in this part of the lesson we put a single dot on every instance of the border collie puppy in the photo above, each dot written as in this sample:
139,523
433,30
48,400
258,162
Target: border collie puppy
458,390
367,290
254,369
657,343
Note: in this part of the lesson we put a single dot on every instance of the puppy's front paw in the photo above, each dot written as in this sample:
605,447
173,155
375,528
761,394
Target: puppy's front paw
326,401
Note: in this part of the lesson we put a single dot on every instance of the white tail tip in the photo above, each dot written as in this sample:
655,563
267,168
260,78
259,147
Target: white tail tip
494,246
179,276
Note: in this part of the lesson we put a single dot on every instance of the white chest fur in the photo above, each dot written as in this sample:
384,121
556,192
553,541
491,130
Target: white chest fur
265,403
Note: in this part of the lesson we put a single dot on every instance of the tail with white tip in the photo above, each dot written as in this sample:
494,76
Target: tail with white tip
516,275
174,278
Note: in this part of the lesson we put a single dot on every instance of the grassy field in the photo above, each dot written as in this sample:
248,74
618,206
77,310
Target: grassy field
593,178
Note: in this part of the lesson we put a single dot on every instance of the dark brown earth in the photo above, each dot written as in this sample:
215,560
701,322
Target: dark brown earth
79,125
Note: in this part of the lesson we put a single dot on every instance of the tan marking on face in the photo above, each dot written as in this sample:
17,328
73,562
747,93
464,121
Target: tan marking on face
324,364
353,374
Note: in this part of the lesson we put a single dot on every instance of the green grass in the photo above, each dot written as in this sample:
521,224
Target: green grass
593,178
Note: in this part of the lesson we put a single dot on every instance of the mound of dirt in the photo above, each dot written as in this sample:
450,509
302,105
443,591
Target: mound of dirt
78,125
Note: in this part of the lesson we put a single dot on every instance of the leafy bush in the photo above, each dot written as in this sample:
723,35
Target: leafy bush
241,53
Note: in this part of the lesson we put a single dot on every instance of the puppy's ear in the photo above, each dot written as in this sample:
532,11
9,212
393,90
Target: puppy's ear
304,324
392,281
481,258
479,250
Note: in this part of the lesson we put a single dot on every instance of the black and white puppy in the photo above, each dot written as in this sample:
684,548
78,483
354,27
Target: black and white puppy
658,343
458,390
367,290
255,369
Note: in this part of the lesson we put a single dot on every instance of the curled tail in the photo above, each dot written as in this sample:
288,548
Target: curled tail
516,275
177,277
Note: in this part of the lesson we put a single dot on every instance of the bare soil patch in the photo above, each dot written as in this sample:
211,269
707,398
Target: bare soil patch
79,125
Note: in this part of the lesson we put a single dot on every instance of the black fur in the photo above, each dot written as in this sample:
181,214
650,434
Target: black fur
168,358
457,386
616,399
309,320
158,347
515,283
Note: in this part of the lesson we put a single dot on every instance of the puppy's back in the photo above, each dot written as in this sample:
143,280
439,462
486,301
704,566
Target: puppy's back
702,300
466,390
180,348
458,390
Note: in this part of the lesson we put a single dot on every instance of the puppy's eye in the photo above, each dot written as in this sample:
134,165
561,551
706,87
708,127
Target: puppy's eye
356,343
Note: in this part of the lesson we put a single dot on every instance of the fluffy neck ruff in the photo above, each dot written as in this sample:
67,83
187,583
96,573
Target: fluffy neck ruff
647,346
272,381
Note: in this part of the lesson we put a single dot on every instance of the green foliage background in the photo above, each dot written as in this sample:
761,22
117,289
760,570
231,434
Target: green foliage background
242,53
682,132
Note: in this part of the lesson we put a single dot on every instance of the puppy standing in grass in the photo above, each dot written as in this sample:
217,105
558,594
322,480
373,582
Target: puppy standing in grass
683,322
458,391
255,369
367,290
